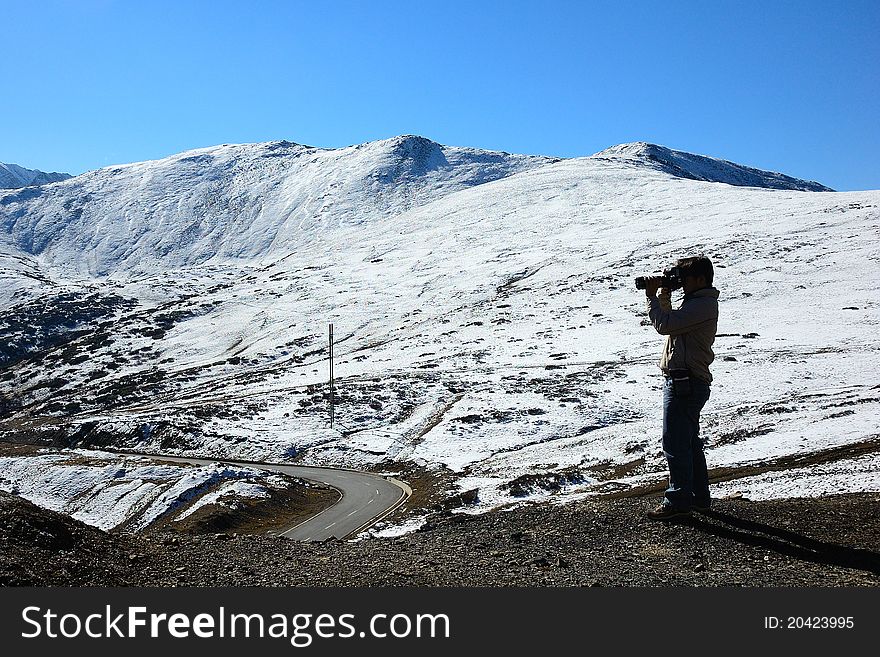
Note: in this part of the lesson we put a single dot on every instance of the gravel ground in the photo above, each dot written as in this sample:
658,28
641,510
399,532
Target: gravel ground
832,541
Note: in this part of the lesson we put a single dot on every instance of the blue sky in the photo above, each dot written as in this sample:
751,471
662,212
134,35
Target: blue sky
786,86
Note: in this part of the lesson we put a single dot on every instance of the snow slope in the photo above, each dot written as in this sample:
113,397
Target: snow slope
110,491
485,317
235,203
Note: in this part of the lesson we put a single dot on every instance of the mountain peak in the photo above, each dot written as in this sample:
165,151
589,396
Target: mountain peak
422,153
408,140
13,176
705,168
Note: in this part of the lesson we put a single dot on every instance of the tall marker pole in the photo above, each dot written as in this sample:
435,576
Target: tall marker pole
331,376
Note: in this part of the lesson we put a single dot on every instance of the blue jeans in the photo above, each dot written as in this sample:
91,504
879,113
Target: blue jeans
688,476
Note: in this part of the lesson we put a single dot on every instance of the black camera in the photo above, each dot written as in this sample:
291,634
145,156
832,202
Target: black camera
671,279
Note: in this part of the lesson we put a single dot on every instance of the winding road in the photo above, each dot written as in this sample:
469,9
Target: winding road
364,498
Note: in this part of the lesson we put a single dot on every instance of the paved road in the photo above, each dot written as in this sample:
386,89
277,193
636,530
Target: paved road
364,497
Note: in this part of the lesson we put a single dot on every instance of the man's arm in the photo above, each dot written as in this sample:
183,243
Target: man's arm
675,322
652,285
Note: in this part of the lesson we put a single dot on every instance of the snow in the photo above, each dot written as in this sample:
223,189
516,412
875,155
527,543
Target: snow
388,530
485,317
857,475
110,491
220,496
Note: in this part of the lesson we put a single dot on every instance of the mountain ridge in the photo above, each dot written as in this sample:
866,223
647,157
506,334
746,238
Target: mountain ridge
708,169
13,176
243,201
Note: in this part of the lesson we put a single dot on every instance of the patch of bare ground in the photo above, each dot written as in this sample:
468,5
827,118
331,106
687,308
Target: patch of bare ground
16,449
543,482
432,490
610,470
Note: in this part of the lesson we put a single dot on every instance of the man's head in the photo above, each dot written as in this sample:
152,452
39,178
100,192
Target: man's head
696,273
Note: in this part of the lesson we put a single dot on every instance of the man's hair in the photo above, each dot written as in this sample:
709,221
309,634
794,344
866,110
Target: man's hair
697,266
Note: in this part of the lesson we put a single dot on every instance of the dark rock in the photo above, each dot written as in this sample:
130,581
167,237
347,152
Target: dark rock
465,498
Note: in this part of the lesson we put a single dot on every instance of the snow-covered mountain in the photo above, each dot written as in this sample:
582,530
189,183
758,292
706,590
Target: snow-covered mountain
487,327
237,202
710,169
13,176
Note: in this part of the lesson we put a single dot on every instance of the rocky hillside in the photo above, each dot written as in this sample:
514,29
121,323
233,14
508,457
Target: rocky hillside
827,542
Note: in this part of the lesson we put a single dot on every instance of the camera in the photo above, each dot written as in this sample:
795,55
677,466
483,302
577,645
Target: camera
671,279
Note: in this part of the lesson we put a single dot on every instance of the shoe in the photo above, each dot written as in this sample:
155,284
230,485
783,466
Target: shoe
666,512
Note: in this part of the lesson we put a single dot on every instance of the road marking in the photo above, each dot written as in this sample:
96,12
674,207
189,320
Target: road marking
371,501
330,525
352,513
377,491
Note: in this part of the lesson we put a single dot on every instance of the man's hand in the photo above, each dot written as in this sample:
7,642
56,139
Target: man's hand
652,285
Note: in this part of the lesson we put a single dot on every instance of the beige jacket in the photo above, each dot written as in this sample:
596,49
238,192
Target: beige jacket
690,330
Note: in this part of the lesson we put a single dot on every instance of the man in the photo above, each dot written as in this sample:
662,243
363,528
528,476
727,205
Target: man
690,332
